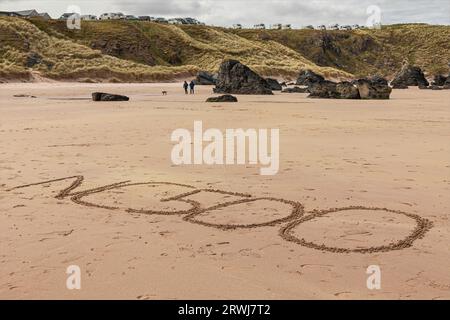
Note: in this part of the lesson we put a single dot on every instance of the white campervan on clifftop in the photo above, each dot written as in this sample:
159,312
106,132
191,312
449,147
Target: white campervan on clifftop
112,16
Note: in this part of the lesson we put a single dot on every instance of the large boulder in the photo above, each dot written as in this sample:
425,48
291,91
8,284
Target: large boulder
236,78
308,77
347,90
274,84
101,96
410,76
371,88
205,78
224,98
324,89
439,80
374,88
332,90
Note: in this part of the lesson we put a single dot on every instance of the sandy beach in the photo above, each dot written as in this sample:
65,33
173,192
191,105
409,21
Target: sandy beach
356,179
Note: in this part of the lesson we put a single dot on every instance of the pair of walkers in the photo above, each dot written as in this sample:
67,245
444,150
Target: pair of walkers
190,86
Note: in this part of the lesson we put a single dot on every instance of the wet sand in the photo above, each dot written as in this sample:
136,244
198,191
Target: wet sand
360,183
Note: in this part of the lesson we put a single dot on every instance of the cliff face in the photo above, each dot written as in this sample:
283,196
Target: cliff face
146,51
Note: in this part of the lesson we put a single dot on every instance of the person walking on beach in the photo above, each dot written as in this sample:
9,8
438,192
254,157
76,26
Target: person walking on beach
192,86
185,86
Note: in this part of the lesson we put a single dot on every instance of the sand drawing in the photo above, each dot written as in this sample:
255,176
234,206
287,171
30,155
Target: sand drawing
296,216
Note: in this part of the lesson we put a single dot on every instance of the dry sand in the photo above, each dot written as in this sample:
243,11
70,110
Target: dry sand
356,155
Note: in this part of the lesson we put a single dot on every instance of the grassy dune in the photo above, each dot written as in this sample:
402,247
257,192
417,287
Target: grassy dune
64,59
168,45
367,51
146,51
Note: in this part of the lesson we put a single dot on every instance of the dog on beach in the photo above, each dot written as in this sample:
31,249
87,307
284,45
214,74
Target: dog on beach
164,93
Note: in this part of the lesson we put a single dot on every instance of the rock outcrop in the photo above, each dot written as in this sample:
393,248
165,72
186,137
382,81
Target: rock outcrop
410,76
399,86
447,83
101,96
274,84
296,90
205,78
308,77
224,98
324,89
374,88
439,80
33,59
236,78
371,88
347,90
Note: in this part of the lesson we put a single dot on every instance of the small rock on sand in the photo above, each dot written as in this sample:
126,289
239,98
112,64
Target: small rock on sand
224,98
101,96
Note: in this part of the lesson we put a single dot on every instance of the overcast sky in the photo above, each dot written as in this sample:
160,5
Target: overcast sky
249,12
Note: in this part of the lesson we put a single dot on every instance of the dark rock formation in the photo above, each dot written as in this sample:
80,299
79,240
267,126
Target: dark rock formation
410,76
274,84
308,77
236,78
100,96
374,88
224,98
295,90
447,83
399,86
324,89
439,80
33,59
347,90
205,78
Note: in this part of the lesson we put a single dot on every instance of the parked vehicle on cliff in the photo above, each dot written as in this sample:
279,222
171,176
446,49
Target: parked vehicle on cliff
88,17
161,20
276,26
112,16
131,17
334,27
